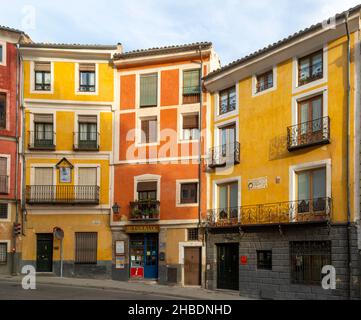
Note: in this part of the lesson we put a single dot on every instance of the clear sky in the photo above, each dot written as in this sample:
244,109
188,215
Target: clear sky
236,27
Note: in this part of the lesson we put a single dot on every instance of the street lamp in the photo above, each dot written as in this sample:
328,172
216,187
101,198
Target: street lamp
115,208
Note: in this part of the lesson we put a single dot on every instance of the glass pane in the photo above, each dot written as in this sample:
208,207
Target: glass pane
186,134
234,195
317,115
303,186
39,77
83,128
304,69
48,131
83,78
92,131
232,100
191,81
317,65
39,131
195,134
224,103
319,183
304,117
152,130
91,78
47,78
223,197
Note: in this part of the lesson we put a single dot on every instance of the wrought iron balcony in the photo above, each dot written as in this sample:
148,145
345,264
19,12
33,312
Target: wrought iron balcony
226,154
144,210
42,140
86,141
308,134
4,184
292,212
59,194
191,94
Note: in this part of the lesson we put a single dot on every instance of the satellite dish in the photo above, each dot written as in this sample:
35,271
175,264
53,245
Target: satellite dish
58,233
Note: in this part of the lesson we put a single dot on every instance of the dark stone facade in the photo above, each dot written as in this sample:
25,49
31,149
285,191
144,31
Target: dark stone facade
276,283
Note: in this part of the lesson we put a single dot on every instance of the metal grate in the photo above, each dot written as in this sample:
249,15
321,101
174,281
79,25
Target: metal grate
3,252
86,247
264,259
3,210
307,260
193,234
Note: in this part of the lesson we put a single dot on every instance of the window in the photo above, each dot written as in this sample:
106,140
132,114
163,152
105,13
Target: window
3,210
310,68
312,190
191,87
190,127
149,129
87,77
189,193
86,247
147,190
1,53
44,134
3,252
88,135
42,76
193,234
264,81
307,260
227,100
3,175
2,110
310,113
148,90
228,200
264,259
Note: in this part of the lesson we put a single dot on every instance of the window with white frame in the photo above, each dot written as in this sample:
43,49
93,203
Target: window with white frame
264,81
227,100
189,192
190,127
149,130
87,77
3,252
148,90
4,178
310,68
42,72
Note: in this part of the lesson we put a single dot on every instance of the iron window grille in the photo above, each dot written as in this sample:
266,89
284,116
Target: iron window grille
193,234
3,253
3,210
86,247
307,259
264,259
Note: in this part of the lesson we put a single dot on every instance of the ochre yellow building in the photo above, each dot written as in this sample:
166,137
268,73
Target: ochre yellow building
277,186
68,103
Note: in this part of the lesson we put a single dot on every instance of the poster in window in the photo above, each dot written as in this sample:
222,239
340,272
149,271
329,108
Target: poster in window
65,175
119,262
119,247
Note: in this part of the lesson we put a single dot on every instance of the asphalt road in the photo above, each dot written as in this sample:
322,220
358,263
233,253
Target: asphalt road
13,291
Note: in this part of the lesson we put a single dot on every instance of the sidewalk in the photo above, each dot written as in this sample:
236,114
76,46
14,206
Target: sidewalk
143,287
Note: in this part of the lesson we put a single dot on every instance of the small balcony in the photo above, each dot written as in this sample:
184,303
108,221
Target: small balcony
307,134
191,95
226,154
144,210
292,212
62,194
41,140
4,184
86,141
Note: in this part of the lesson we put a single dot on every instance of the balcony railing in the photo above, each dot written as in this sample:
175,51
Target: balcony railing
86,141
191,95
42,140
301,211
62,194
144,210
308,134
4,184
226,154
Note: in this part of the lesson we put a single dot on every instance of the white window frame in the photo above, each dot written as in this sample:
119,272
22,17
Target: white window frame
42,165
8,249
181,72
137,88
145,178
32,123
76,172
295,85
77,75
8,219
218,128
8,169
254,82
193,110
4,49
145,115
179,182
76,123
32,77
217,115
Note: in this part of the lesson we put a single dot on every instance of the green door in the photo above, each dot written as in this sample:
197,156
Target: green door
44,252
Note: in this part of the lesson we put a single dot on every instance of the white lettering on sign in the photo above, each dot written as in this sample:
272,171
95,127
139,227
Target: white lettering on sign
258,183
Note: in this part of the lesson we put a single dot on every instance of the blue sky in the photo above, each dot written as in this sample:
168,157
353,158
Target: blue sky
236,27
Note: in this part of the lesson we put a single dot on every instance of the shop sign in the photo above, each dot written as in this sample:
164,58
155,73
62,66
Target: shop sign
137,272
120,262
142,229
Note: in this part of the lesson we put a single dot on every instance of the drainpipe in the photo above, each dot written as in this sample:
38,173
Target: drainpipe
200,139
349,261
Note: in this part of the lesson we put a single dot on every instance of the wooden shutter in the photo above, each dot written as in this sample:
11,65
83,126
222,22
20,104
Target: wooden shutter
89,67
43,118
190,121
87,176
147,186
3,166
86,247
148,90
44,176
87,119
191,81
42,66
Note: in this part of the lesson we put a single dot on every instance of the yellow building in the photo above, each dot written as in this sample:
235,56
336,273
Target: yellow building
278,195
68,100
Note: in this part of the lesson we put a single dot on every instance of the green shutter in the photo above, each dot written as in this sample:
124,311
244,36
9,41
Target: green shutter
191,82
148,90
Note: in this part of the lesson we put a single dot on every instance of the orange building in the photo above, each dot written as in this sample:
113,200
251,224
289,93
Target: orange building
160,117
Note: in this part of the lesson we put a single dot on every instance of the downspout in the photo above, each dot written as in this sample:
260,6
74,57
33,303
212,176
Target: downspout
200,139
349,261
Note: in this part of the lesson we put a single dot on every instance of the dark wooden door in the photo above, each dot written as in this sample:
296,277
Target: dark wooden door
227,266
192,266
44,252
